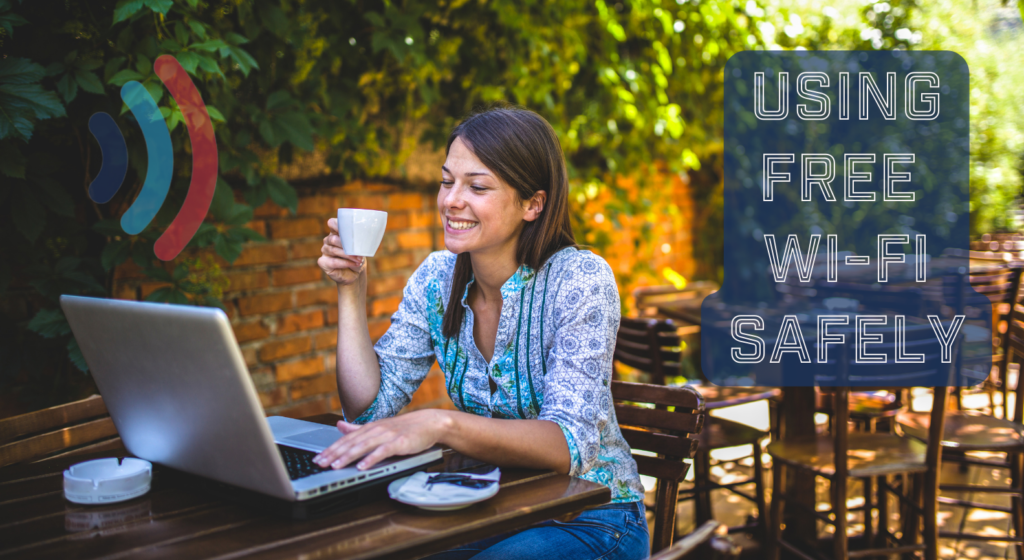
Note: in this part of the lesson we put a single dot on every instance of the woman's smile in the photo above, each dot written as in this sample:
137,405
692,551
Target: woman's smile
458,224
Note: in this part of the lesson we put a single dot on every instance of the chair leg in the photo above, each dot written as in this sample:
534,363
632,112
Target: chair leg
840,545
883,512
869,506
931,512
912,525
702,478
1016,501
762,510
775,517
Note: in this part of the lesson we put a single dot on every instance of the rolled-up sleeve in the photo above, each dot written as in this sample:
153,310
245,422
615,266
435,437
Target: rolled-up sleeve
579,365
405,352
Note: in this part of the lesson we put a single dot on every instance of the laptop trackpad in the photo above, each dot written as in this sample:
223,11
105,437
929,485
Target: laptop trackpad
313,440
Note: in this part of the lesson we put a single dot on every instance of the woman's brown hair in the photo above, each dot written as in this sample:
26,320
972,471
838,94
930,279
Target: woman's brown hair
521,148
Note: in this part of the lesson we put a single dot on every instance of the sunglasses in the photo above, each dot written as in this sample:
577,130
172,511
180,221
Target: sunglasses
463,480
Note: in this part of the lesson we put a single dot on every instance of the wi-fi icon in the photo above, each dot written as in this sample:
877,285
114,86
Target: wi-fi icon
161,158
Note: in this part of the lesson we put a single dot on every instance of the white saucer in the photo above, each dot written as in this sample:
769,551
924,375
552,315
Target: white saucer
487,493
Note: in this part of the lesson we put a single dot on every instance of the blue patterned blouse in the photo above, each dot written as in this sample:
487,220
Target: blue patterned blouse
552,357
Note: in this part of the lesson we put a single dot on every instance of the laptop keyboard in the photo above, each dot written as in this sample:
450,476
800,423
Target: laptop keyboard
299,462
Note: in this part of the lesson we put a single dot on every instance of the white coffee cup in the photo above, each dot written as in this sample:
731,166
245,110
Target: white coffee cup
361,230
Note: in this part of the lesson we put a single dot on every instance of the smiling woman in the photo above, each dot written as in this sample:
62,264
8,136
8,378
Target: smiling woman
523,325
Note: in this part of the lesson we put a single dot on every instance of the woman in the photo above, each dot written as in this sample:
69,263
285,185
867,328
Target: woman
523,325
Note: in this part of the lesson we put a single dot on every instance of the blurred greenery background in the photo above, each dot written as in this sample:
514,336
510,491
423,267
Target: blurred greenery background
626,85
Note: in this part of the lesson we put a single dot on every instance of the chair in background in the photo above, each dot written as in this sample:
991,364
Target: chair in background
651,346
869,457
707,542
75,428
967,432
647,298
665,433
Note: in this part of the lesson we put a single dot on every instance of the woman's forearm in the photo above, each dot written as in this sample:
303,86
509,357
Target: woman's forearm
358,369
538,444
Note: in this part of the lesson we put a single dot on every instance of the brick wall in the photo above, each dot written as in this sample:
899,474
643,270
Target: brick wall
284,310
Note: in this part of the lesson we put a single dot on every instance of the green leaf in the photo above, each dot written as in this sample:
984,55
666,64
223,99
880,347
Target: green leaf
52,195
67,87
127,8
278,99
170,45
209,46
197,28
227,248
160,6
267,132
144,65
282,193
115,253
204,235
180,272
210,65
242,215
168,295
9,21
14,70
273,18
49,323
297,129
124,76
235,38
244,234
245,61
89,82
154,89
158,273
76,357
189,61
215,114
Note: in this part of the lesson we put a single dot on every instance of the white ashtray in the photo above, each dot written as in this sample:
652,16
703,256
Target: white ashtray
106,481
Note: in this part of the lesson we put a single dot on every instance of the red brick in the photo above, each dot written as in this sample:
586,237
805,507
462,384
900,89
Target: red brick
306,409
269,210
425,218
262,253
319,205
124,291
415,240
405,201
244,332
384,284
150,287
322,385
128,270
326,340
250,356
307,249
275,397
299,368
335,403
299,227
393,262
297,275
397,221
284,348
378,328
332,315
317,295
301,322
384,306
265,303
248,281
368,201
259,226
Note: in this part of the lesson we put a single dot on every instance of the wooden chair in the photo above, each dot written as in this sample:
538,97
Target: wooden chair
651,346
665,430
869,457
69,429
710,541
648,297
966,432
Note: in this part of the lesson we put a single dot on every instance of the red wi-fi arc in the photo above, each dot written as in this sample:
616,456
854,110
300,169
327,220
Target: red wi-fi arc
204,158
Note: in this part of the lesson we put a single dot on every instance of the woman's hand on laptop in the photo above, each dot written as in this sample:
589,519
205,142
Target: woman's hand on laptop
400,435
343,269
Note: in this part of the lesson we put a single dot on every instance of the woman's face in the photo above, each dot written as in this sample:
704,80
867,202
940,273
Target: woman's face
480,213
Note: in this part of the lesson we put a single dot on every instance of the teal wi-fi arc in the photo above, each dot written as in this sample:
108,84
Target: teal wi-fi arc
161,158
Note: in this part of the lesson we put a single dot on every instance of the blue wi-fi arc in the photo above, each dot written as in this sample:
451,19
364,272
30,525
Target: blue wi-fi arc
115,158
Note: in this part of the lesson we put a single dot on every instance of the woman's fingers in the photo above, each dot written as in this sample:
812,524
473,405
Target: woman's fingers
332,224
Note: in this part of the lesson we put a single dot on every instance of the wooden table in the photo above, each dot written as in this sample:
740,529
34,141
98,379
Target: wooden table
172,521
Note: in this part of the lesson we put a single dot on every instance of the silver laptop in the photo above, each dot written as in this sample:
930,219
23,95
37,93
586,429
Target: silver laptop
178,390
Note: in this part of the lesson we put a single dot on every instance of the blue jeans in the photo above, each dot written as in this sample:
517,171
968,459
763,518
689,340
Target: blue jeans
609,532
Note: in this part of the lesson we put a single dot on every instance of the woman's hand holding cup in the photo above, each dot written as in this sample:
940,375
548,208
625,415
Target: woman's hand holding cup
340,267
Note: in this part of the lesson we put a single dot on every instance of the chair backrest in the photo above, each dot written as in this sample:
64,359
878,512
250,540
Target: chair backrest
668,430
74,428
710,541
649,296
652,346
1015,354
